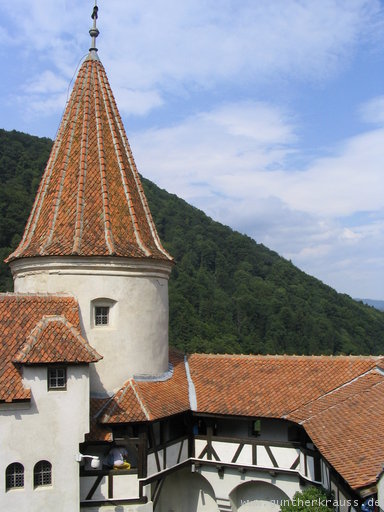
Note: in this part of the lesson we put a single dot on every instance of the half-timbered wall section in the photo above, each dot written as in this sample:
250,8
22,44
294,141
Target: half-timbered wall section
259,443
104,486
234,459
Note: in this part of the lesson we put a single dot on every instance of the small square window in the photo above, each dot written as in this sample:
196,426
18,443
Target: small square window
57,378
101,315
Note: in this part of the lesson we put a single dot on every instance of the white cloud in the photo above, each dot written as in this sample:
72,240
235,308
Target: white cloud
136,101
47,82
44,106
242,150
373,111
350,235
156,47
262,123
233,162
350,181
204,41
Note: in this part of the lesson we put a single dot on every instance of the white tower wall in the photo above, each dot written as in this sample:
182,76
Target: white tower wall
135,341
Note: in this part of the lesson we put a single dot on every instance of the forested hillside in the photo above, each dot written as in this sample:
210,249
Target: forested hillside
22,161
227,293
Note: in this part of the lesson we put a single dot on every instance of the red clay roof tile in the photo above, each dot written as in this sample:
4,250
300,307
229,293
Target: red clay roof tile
327,395
269,385
55,340
347,427
28,336
150,400
90,201
98,432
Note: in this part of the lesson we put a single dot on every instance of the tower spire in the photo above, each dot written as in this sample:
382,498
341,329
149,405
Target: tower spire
94,31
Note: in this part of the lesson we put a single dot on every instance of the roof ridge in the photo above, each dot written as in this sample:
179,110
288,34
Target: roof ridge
83,171
63,295
192,396
34,337
134,170
41,192
328,393
106,402
60,184
289,356
346,399
143,408
103,177
115,403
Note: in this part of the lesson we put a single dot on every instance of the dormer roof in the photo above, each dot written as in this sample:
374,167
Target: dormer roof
41,345
90,201
38,329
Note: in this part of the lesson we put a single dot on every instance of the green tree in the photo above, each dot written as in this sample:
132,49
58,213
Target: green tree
227,293
311,499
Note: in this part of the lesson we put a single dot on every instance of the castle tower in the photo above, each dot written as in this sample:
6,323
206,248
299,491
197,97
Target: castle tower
91,234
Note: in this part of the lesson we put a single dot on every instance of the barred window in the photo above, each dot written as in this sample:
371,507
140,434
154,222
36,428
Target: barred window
101,315
42,473
14,476
57,377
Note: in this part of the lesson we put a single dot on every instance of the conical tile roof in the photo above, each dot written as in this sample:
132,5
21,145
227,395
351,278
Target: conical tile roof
90,201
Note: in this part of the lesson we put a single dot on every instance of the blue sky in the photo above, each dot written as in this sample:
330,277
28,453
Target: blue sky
266,114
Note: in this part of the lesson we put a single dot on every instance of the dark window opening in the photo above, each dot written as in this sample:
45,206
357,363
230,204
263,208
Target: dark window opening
317,468
14,476
256,427
101,315
42,473
57,378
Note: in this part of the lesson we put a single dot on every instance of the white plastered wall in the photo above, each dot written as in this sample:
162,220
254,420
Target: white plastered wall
205,491
50,428
136,341
380,491
232,478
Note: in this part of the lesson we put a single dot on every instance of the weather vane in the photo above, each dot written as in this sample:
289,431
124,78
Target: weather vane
94,31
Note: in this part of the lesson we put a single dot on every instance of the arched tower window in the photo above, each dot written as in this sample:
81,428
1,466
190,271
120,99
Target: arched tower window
42,473
14,476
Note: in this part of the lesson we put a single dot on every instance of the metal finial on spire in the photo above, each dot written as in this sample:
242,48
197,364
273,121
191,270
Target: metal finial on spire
94,31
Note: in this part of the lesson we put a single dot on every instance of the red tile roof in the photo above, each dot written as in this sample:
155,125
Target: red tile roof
270,386
37,329
149,400
347,427
90,201
98,432
55,340
329,396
